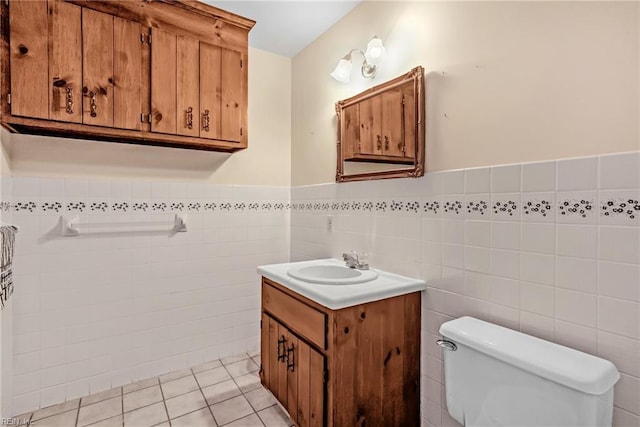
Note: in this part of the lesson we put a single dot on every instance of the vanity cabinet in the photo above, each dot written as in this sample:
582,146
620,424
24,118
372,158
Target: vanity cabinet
167,72
358,365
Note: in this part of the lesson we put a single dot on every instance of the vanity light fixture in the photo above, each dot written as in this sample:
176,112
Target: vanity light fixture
374,55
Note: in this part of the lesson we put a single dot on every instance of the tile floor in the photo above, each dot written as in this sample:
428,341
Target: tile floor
224,392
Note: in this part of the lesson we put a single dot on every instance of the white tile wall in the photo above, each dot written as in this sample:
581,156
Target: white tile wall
126,299
549,248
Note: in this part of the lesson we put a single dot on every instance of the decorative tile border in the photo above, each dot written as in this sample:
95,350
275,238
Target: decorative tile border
158,206
625,207
575,207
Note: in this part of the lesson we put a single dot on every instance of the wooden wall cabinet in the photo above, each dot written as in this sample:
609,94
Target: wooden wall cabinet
162,72
383,125
355,366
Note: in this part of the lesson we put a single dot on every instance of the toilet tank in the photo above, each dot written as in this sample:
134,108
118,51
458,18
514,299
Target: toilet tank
500,377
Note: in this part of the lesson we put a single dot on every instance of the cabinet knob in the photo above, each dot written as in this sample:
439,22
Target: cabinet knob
205,121
69,102
379,142
386,143
189,118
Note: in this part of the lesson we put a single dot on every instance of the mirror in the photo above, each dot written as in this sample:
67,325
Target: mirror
381,132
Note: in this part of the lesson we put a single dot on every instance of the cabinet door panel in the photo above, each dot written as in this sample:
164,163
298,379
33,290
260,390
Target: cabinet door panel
292,374
163,82
350,131
316,388
188,69
232,95
303,417
210,91
370,126
127,74
273,356
29,58
392,123
265,361
97,68
410,114
65,62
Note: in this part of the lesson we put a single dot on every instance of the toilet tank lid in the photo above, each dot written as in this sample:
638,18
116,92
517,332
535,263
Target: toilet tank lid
563,365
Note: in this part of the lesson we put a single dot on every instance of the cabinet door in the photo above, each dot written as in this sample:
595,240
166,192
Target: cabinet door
232,84
188,86
163,82
370,126
392,123
127,74
65,62
29,58
410,114
210,91
350,124
310,366
97,68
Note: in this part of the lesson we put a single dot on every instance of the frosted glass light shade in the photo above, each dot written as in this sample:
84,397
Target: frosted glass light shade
376,52
342,71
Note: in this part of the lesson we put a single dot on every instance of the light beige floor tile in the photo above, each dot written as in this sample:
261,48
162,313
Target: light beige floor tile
179,386
242,367
65,419
174,375
207,366
140,385
248,382
109,422
185,403
221,391
260,399
234,359
212,376
201,418
52,410
99,397
253,354
274,416
100,411
231,410
140,398
146,417
251,421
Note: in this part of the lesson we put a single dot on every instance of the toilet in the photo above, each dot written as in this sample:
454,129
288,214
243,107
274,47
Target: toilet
495,376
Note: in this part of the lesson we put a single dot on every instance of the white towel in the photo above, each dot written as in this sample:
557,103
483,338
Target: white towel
7,246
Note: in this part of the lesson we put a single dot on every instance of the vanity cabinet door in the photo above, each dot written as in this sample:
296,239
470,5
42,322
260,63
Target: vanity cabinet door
310,368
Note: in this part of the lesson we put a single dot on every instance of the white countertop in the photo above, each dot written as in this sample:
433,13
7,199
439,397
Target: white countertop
335,297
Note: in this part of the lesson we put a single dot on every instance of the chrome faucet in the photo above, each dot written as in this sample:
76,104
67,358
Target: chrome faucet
356,260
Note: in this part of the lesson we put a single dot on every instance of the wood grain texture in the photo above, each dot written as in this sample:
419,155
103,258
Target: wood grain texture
410,114
163,82
303,415
392,123
188,84
316,389
293,350
28,25
370,126
65,61
298,316
350,130
210,90
265,350
214,28
97,68
231,103
127,75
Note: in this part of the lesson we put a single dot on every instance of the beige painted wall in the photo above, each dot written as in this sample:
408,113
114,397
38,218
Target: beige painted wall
518,81
267,161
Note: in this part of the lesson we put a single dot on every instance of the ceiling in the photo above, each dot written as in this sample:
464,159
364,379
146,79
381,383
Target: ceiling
287,27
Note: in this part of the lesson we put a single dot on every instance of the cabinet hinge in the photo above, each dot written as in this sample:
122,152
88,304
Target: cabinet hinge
149,38
241,63
240,131
9,98
141,117
141,37
149,117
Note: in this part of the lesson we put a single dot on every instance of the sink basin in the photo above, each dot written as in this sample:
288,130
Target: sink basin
332,275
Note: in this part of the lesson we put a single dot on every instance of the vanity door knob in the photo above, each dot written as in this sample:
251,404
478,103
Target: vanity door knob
386,143
379,142
189,117
69,102
93,104
205,121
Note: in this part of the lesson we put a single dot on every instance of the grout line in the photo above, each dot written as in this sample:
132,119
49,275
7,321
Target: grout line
122,403
164,403
242,393
202,393
78,411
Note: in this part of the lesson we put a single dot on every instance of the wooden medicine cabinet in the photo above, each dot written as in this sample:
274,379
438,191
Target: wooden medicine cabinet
154,72
381,131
